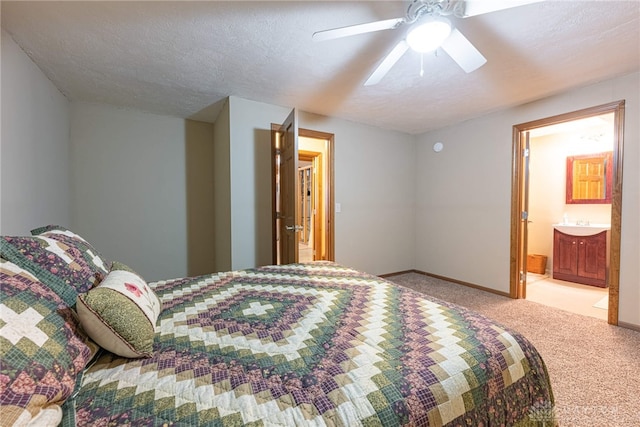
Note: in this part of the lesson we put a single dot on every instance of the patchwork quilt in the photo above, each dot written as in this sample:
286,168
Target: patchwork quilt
314,344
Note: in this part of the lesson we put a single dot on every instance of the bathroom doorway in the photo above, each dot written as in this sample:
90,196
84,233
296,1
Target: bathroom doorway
542,151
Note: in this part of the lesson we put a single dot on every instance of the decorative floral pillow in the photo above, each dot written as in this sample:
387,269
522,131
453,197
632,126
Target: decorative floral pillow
120,314
61,259
42,349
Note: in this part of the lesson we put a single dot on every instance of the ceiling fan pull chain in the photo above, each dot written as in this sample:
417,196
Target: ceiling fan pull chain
421,64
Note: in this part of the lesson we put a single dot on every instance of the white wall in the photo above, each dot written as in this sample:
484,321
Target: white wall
463,205
464,192
222,190
199,187
375,185
128,187
250,160
34,147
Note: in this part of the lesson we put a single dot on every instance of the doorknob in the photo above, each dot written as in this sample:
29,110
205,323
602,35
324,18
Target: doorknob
293,227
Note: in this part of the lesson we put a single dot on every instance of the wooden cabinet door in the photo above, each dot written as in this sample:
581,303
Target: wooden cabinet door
592,256
565,254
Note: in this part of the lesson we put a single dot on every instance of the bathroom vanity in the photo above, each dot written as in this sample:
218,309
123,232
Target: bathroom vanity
580,253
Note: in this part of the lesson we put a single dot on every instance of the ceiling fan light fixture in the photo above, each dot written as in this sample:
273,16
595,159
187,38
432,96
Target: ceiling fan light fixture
429,35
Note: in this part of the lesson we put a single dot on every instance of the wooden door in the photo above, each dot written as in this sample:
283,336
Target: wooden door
524,220
288,247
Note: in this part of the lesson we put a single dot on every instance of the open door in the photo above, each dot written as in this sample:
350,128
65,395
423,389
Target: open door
290,146
524,218
288,189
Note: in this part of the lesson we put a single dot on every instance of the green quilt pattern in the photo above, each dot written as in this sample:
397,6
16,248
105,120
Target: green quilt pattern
315,344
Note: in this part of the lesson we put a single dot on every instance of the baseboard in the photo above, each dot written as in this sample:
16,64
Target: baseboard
448,279
384,276
629,326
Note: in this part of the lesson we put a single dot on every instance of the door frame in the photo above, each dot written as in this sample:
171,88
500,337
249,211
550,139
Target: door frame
329,202
517,253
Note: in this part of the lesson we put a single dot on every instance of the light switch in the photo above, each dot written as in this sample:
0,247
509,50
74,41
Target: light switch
338,208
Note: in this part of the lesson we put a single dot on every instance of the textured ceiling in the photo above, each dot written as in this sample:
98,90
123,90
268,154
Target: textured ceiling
183,58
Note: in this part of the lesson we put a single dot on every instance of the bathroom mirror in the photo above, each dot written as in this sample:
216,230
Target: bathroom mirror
589,178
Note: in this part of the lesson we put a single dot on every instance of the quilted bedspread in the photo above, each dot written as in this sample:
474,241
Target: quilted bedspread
314,344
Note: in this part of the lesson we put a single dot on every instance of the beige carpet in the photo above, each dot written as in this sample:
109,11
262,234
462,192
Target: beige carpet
594,367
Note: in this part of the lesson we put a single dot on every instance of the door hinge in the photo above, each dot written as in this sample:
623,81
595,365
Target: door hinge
524,215
525,152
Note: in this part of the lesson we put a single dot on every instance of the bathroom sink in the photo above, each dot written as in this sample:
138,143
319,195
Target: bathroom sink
582,230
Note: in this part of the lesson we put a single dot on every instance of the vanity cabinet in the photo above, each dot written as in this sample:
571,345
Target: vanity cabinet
581,259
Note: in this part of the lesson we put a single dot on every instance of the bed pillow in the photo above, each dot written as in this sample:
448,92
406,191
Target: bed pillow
42,349
120,314
61,259
93,262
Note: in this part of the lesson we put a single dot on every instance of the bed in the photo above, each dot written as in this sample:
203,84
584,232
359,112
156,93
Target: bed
302,344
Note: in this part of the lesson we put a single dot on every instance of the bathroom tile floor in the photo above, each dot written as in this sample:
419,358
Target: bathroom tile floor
574,297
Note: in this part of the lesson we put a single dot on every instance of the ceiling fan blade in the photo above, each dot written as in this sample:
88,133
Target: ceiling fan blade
386,64
352,30
463,52
478,7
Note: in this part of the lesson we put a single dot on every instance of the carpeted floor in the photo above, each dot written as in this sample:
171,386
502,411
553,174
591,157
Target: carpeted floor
594,367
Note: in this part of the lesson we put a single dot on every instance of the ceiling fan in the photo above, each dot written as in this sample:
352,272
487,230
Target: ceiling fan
429,29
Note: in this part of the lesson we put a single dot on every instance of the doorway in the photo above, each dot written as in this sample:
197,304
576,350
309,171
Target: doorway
526,219
307,201
311,179
312,200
